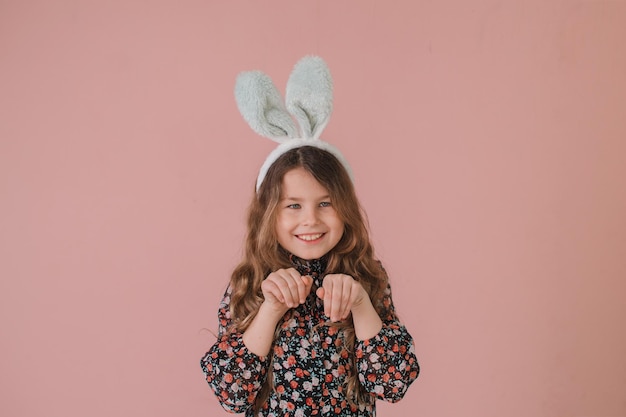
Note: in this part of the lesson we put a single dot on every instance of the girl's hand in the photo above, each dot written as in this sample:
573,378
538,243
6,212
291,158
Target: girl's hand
341,293
285,289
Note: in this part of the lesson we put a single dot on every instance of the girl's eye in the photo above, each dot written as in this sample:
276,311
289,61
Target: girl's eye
325,204
294,206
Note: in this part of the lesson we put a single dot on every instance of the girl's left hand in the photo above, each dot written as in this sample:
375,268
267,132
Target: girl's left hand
340,293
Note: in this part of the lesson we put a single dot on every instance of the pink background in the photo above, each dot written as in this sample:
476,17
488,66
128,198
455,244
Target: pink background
488,140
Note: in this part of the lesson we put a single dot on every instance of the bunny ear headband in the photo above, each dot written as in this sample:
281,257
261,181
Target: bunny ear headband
309,99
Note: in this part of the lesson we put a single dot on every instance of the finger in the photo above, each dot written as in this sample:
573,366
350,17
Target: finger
305,288
328,297
292,287
320,292
272,292
337,300
277,285
285,286
346,301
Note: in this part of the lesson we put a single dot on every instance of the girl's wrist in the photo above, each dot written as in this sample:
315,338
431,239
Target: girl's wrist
363,306
259,336
270,312
367,322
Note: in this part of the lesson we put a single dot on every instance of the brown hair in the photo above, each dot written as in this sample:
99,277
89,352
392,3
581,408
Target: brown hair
353,255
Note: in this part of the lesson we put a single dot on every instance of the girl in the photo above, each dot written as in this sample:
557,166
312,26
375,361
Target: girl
307,326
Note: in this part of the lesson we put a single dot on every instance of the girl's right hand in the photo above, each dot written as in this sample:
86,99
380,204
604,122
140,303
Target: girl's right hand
285,289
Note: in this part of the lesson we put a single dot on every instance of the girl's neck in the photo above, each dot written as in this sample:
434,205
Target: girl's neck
308,266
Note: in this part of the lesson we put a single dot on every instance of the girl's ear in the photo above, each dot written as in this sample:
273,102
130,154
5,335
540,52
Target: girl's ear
310,96
262,106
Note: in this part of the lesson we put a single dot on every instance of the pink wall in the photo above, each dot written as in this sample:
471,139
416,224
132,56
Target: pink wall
488,140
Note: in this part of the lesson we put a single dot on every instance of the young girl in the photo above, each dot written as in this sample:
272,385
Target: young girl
307,326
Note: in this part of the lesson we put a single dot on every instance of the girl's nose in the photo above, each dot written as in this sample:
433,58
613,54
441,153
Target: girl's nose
309,216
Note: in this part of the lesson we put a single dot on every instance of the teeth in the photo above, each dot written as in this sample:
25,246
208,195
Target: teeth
310,237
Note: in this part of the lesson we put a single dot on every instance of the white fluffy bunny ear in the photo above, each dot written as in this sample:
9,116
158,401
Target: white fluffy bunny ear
262,106
309,100
309,96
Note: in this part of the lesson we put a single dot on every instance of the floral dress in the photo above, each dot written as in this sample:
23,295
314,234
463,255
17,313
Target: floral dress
310,363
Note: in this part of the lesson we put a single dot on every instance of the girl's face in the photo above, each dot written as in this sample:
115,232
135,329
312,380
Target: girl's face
307,224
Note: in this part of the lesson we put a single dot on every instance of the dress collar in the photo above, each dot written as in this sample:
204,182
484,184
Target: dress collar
314,268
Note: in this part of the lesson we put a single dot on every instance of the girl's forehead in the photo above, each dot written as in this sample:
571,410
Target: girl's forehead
299,183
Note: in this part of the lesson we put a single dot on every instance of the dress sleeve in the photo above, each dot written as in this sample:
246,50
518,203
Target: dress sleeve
233,372
386,363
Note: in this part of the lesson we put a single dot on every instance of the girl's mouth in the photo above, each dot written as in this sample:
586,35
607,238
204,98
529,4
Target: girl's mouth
310,237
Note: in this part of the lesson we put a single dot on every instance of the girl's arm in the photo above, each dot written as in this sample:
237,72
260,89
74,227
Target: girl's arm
386,362
367,322
259,336
236,365
233,372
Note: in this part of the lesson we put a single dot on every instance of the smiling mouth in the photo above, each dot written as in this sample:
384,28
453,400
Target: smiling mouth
311,237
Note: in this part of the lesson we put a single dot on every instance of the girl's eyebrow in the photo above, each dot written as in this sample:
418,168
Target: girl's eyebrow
324,197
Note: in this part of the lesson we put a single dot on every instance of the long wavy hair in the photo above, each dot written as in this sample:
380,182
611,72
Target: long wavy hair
353,255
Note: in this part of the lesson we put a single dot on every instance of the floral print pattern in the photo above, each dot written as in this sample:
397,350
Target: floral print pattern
310,363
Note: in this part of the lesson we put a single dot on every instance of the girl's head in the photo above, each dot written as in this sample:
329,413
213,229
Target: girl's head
307,205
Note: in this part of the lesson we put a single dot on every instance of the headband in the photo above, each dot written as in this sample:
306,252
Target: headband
308,100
